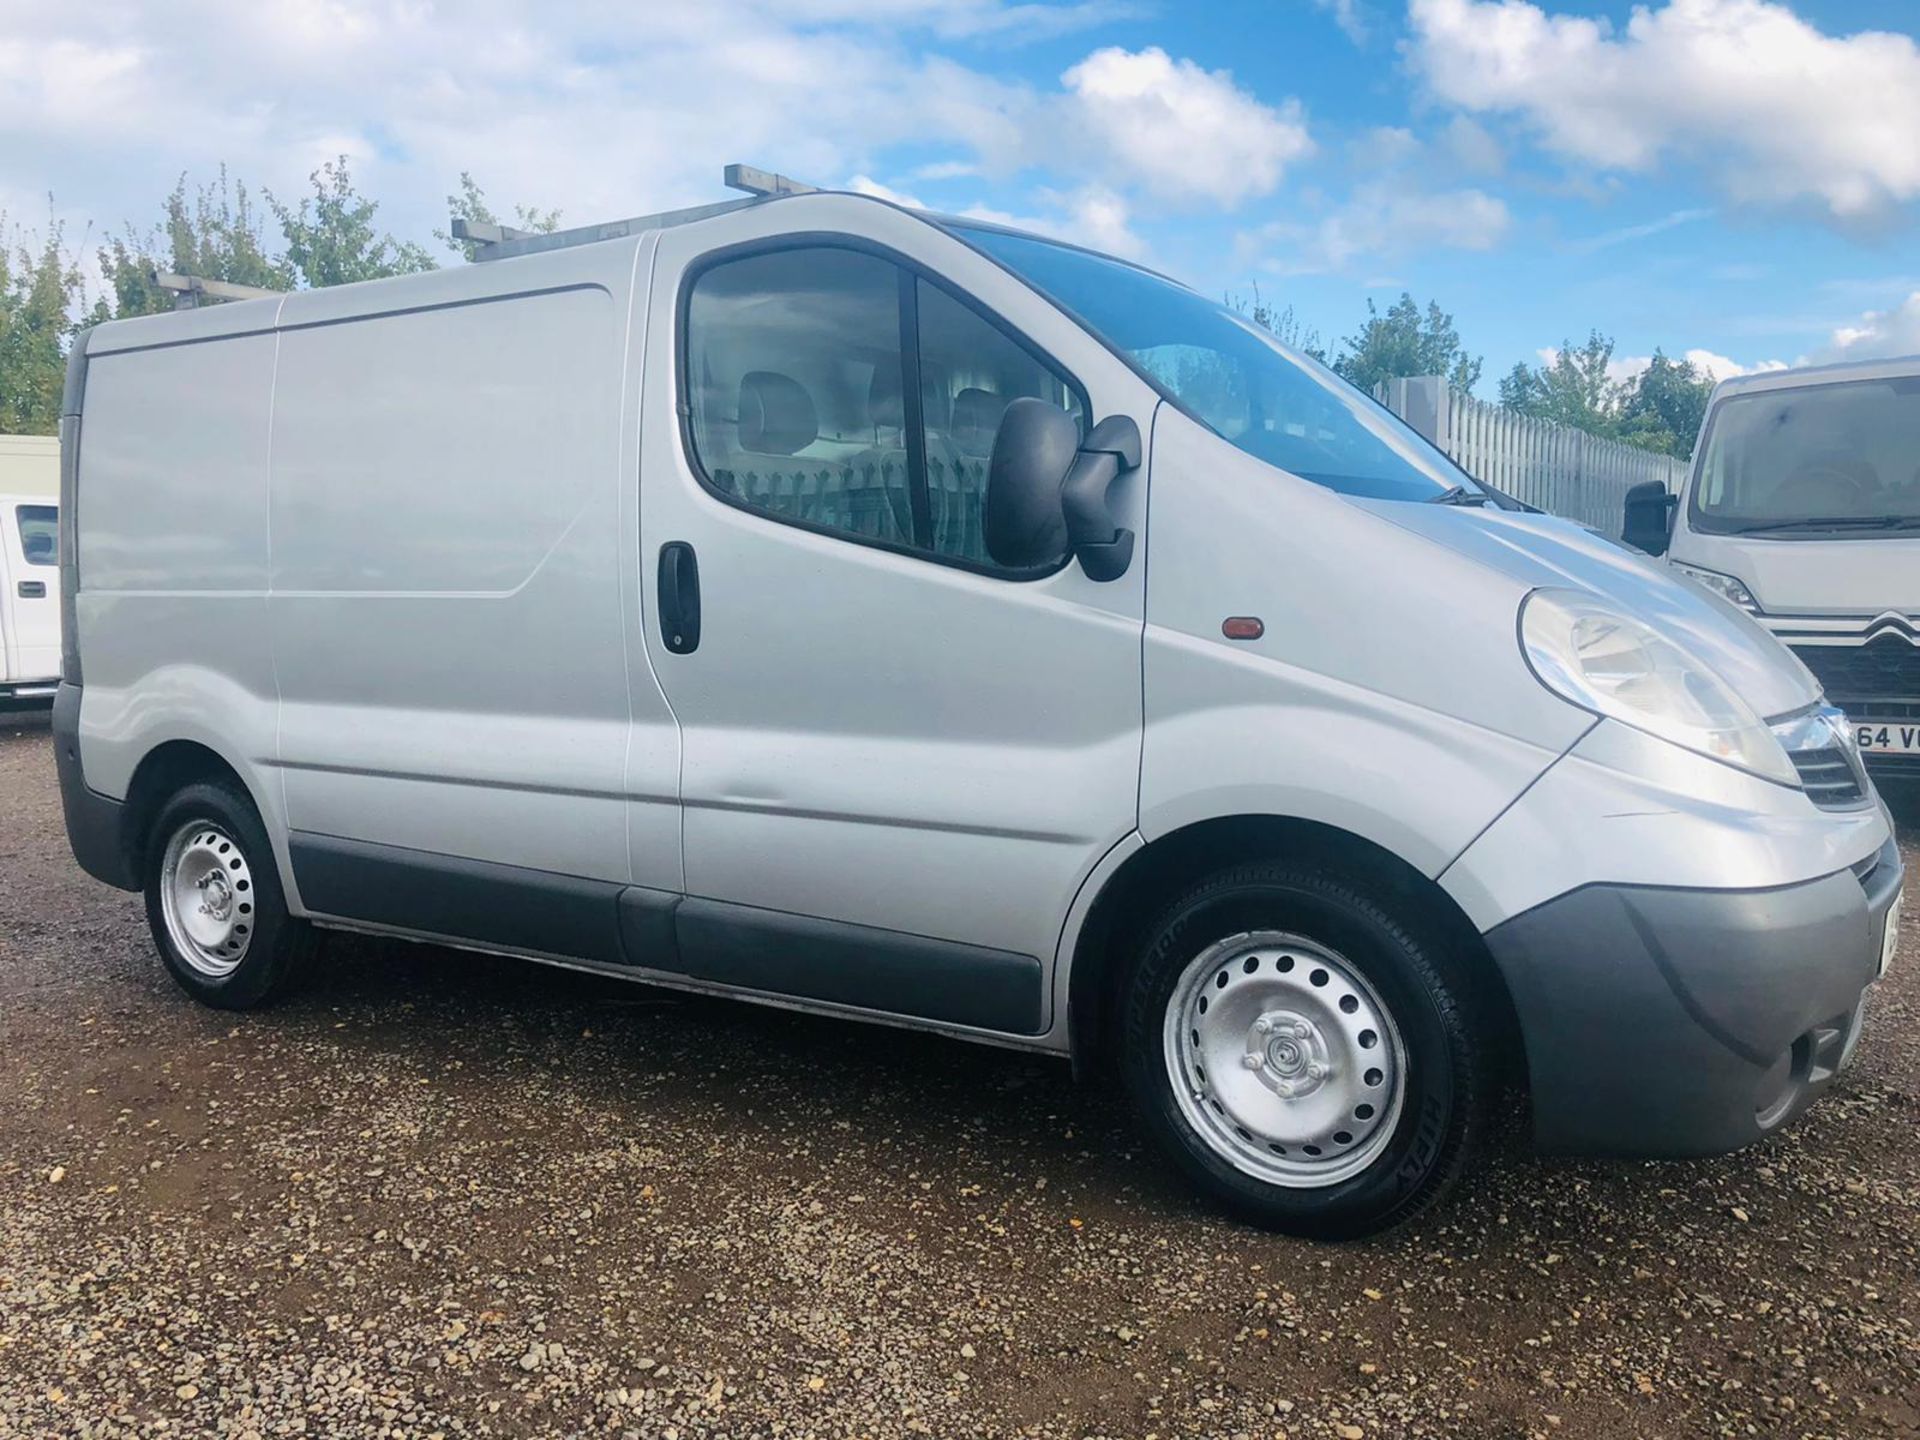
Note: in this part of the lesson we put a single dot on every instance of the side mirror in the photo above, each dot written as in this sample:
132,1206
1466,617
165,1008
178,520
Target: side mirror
1047,490
1649,517
1034,448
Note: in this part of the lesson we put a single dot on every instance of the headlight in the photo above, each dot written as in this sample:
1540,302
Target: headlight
1727,587
1588,650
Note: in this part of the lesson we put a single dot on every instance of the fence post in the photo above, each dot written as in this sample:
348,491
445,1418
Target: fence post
1421,401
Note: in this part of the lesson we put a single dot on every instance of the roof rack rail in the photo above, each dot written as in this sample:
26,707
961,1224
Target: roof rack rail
191,291
503,242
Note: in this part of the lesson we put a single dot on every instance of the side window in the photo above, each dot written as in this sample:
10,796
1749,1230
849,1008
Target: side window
39,533
796,387
970,371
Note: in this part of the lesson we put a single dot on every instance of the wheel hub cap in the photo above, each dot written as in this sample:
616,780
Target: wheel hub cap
206,898
1284,1059
1288,1052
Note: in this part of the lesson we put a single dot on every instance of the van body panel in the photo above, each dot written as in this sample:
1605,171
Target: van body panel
1547,550
171,508
185,327
1304,721
1625,808
450,651
871,737
1867,575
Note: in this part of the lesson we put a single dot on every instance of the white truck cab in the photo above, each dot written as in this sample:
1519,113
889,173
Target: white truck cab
1803,509
906,618
29,599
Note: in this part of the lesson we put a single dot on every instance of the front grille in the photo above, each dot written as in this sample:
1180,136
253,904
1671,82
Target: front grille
1885,711
1828,776
1887,666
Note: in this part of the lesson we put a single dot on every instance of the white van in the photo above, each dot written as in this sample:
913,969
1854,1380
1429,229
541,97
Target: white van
29,599
910,619
1803,508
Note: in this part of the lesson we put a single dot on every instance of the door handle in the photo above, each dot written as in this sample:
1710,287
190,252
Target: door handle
679,598
33,589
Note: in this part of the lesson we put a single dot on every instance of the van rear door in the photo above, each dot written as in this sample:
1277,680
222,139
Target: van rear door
900,761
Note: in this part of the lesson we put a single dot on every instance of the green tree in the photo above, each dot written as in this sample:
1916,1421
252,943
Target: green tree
1285,324
471,205
1661,408
1573,389
331,239
1404,342
217,234
39,286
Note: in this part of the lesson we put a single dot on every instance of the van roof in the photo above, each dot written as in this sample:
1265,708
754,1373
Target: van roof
1834,374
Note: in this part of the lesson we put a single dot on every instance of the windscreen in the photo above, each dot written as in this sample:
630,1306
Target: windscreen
1838,459
1233,375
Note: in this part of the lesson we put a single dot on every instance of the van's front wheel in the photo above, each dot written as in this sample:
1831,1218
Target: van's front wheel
215,905
1305,1055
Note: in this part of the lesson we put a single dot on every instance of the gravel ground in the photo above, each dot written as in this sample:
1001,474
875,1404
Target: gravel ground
442,1194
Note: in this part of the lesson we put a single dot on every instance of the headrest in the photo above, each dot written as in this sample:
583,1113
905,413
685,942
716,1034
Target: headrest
776,414
38,545
976,419
886,403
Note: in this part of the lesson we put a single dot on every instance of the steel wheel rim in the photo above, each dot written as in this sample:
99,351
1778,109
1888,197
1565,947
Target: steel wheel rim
207,898
1284,1060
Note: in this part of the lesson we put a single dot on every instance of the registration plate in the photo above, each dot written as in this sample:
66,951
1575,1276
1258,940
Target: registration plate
1888,739
1890,937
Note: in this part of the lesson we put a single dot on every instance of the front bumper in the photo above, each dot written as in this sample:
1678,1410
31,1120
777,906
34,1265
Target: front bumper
1671,1022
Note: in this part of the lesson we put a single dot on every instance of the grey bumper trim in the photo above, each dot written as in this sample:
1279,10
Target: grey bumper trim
1677,1022
95,823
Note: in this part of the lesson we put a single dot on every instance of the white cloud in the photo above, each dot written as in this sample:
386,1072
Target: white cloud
1349,15
1878,334
1607,239
1623,368
1774,108
1722,368
1093,216
1101,220
1384,218
1184,133
1471,146
867,185
606,110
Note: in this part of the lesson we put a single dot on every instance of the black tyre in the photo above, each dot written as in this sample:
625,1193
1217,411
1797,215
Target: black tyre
1312,1060
214,901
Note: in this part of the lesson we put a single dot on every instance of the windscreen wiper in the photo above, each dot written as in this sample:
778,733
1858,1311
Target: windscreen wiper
1834,522
1459,495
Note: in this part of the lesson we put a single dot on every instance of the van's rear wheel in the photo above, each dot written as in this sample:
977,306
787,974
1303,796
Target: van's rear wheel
214,901
1304,1054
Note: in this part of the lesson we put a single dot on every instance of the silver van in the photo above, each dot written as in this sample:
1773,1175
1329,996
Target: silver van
1803,509
910,619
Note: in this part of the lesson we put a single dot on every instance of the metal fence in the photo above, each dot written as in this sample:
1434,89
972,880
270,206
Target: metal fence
1562,470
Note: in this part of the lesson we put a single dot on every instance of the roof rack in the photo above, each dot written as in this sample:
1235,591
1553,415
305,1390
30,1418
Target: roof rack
503,242
191,291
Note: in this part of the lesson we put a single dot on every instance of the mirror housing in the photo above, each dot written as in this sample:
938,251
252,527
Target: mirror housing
1047,490
1026,529
1648,519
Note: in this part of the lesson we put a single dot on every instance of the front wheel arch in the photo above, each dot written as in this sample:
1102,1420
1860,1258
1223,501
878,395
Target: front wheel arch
1154,875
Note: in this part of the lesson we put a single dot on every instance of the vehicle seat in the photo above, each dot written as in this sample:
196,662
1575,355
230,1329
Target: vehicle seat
882,496
778,420
957,473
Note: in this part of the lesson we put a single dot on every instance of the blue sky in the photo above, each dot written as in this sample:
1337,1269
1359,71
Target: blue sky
1737,178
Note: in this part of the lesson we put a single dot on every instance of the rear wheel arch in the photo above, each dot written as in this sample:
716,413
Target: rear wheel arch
1155,875
164,772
